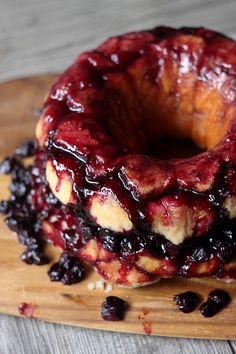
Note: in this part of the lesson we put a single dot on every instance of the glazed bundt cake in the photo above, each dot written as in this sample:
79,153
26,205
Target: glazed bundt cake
97,189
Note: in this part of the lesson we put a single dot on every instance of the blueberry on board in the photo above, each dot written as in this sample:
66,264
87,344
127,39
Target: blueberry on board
26,149
113,308
69,270
187,301
216,301
8,165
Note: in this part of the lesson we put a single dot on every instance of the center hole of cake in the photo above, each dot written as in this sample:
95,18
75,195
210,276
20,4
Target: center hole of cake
166,149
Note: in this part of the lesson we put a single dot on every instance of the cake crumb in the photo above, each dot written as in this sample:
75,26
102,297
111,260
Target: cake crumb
100,284
108,288
91,286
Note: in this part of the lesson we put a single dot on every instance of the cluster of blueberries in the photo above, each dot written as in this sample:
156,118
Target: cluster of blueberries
216,301
69,270
22,220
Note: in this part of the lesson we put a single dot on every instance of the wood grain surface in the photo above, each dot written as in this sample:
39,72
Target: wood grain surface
45,36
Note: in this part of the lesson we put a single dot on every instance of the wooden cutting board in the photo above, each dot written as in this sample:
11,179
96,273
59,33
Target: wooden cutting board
151,310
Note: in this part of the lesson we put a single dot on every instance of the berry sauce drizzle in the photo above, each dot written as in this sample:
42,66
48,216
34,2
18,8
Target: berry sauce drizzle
81,133
31,203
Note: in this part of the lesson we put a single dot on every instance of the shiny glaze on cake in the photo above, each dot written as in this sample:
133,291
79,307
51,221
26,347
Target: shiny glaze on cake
132,216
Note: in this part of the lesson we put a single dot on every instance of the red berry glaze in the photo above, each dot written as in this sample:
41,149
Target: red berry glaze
97,189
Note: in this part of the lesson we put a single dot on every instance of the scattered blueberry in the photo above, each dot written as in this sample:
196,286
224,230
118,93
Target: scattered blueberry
4,206
9,164
208,309
26,149
56,272
18,189
22,175
31,242
34,257
187,301
68,270
221,297
113,308
20,217
216,301
13,224
73,276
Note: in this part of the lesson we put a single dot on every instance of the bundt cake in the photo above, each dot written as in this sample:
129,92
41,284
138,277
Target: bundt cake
96,188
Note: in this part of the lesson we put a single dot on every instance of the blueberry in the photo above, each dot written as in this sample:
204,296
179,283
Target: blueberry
5,206
219,296
87,233
216,301
8,165
229,230
170,251
34,257
51,199
110,241
55,272
22,175
113,308
74,275
32,243
161,248
23,237
26,149
27,257
224,250
13,224
127,246
66,260
229,234
199,254
132,244
36,226
88,230
68,270
208,309
74,270
186,301
18,189
72,239
18,222
155,246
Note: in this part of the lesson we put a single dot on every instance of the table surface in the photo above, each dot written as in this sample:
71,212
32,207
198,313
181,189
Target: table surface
45,36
